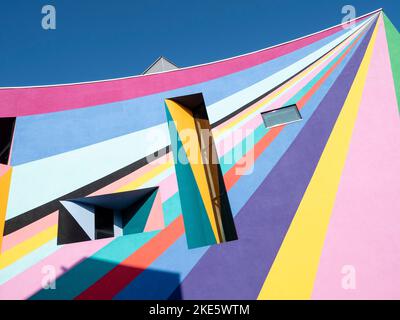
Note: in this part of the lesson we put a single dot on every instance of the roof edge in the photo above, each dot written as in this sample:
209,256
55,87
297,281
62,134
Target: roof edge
191,67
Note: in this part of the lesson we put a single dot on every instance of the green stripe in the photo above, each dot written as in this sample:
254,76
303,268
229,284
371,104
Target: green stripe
393,39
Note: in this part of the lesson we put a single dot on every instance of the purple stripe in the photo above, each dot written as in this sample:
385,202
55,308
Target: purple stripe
237,270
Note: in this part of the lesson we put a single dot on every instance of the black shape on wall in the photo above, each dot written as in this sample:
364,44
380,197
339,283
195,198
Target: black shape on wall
44,210
6,136
109,210
71,231
103,223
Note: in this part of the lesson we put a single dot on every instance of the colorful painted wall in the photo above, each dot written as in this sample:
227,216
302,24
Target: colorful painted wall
315,203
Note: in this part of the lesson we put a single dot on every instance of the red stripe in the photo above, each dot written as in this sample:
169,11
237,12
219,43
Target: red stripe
119,277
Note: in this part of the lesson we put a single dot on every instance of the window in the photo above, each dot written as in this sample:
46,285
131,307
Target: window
205,206
110,215
6,135
281,116
104,222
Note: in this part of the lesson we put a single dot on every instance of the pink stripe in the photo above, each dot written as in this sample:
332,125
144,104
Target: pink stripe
168,187
29,231
27,101
364,231
155,220
4,169
28,283
131,177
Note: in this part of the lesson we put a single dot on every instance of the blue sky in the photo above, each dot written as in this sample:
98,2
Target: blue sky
98,39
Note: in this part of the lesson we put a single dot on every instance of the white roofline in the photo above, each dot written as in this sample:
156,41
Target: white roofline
190,67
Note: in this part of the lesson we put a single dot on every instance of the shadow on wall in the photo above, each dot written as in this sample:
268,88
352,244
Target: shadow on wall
139,283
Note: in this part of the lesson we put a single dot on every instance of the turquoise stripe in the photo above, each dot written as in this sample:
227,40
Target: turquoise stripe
85,274
172,209
78,279
235,154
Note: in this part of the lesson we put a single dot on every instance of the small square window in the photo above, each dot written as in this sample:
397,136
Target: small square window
281,116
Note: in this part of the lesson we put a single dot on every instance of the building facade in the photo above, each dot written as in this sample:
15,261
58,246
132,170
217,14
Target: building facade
272,175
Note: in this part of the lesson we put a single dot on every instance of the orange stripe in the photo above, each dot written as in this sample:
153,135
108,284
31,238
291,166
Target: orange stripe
232,176
124,273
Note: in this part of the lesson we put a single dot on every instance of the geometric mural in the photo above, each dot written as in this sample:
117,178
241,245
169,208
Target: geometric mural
170,185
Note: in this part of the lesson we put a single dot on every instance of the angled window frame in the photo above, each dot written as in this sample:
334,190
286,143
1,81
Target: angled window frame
279,110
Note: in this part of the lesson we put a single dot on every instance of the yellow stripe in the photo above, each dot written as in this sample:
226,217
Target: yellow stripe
293,273
10,256
259,105
146,177
4,191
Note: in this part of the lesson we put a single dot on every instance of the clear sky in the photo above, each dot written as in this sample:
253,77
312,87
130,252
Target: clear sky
103,39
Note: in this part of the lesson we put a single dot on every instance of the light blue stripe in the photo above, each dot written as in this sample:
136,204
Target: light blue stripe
54,133
28,261
164,275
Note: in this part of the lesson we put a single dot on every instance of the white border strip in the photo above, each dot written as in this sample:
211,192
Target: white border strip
195,66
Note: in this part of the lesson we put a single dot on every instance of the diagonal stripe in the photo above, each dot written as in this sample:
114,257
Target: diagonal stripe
393,41
264,218
135,184
119,277
293,272
103,255
364,229
231,176
5,181
104,284
11,240
10,256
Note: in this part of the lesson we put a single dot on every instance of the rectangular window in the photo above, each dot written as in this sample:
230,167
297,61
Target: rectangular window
104,223
6,136
281,116
110,215
205,206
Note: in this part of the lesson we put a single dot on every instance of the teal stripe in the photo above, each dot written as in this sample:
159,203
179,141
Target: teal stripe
85,274
78,279
138,222
235,154
172,209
